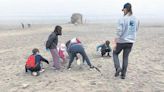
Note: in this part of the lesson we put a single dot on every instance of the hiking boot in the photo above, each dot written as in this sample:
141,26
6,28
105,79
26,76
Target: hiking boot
109,55
117,72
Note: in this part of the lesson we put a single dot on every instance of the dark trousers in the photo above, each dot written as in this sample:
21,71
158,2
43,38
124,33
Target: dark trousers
126,47
75,50
103,52
36,69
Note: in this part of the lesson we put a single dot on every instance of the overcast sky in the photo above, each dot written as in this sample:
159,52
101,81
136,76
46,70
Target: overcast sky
25,8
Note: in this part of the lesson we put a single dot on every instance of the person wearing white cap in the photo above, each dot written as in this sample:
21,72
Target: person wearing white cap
126,35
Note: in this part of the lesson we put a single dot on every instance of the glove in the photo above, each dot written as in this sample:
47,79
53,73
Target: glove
47,62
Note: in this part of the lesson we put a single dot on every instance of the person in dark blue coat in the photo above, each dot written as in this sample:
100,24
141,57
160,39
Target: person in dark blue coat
73,49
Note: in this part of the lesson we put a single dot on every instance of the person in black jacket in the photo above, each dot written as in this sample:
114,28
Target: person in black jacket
52,43
105,48
38,58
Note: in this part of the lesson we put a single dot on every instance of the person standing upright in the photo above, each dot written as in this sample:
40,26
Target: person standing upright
52,45
126,35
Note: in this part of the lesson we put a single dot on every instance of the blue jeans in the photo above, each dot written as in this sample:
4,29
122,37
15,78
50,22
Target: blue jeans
75,49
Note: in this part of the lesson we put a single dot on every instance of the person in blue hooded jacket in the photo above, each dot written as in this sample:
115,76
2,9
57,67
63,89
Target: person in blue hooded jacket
73,49
105,48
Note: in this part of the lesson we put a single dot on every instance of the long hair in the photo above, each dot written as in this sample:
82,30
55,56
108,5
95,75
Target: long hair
129,8
130,11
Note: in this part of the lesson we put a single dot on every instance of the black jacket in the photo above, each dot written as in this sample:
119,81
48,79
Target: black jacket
52,41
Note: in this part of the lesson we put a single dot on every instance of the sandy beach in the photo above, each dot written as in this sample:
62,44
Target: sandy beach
145,70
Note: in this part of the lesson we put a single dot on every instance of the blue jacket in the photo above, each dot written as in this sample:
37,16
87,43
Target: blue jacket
39,58
103,47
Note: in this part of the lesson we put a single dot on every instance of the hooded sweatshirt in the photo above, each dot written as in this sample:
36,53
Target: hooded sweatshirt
52,41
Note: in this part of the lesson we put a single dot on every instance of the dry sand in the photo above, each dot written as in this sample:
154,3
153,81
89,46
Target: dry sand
145,71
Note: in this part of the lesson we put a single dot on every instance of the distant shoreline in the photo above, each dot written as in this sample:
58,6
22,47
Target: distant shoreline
66,19
14,24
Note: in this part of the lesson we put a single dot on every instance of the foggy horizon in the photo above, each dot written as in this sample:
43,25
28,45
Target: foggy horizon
93,9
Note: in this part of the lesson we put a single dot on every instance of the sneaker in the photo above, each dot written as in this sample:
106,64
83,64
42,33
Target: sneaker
54,68
117,72
122,77
42,70
102,55
34,73
69,69
108,54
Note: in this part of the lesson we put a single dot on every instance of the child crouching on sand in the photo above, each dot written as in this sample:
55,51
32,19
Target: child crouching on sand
105,48
33,63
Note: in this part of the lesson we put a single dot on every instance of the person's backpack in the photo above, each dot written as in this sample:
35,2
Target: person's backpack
30,63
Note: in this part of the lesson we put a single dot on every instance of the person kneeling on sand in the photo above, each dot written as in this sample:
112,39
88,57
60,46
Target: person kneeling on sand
105,48
73,48
33,63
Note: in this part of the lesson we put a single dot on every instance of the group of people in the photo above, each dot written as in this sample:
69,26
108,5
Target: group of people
126,35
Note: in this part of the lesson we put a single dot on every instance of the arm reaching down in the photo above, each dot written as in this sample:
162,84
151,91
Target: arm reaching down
99,46
45,60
